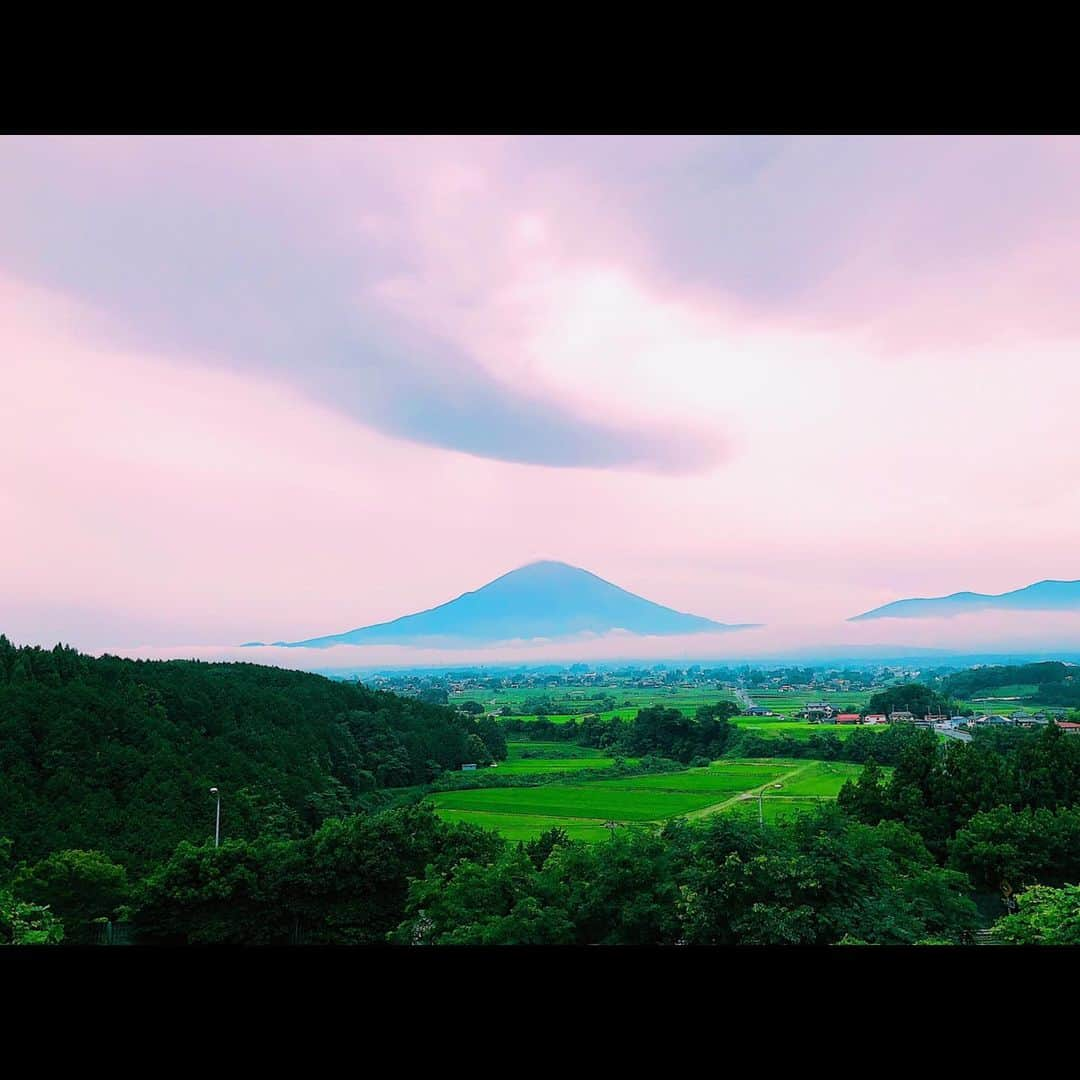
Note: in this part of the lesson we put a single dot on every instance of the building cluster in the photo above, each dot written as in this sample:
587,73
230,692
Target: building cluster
822,712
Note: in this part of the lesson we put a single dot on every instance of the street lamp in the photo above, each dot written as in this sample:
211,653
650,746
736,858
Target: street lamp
217,820
761,803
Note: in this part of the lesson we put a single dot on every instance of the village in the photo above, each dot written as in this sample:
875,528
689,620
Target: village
824,712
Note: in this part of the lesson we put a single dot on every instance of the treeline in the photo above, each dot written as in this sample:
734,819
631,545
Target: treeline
654,731
964,684
944,792
117,756
915,698
817,880
710,734
406,877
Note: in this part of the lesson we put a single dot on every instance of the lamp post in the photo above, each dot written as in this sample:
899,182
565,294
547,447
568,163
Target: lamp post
217,819
761,803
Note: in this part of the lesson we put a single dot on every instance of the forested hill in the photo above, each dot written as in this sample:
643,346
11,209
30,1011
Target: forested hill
1050,682
119,755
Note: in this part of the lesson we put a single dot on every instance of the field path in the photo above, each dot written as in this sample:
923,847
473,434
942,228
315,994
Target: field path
745,699
707,811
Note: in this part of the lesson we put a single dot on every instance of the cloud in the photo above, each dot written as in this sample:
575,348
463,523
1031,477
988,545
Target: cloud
919,240
271,388
277,257
975,633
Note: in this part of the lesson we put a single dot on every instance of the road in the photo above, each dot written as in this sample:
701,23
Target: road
708,811
745,699
949,733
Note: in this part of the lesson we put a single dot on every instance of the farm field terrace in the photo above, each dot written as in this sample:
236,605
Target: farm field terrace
542,758
586,809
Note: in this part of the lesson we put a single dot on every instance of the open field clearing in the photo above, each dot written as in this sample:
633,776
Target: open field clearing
527,766
545,758
526,827
818,783
771,727
1006,706
823,779
790,703
622,701
720,780
589,800
584,809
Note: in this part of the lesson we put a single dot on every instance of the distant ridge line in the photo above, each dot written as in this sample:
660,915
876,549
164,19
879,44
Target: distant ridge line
1048,595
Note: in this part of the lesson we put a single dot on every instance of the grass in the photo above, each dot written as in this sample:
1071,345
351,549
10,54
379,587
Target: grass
719,780
590,800
788,704
771,727
528,766
823,779
583,809
820,782
525,827
571,702
543,758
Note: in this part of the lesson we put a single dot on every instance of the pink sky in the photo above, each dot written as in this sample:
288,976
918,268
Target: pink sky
276,388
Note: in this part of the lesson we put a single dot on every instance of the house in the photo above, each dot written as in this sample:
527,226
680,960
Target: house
756,710
994,720
847,718
1028,721
1068,727
876,718
902,716
471,767
819,711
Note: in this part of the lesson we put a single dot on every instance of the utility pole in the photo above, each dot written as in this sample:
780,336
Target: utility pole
761,803
217,819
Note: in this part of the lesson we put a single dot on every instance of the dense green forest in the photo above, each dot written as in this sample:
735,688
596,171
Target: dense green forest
105,814
119,755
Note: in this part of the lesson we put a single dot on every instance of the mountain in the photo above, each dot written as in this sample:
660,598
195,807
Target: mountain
541,600
1042,596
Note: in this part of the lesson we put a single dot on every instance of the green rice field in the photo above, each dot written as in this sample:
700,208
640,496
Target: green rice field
544,758
788,704
588,809
571,702
771,727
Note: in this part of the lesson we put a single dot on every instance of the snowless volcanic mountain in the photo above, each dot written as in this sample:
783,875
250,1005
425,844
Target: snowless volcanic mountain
542,600
1042,596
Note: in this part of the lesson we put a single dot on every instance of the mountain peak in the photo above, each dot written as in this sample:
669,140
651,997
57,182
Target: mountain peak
1048,595
542,599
